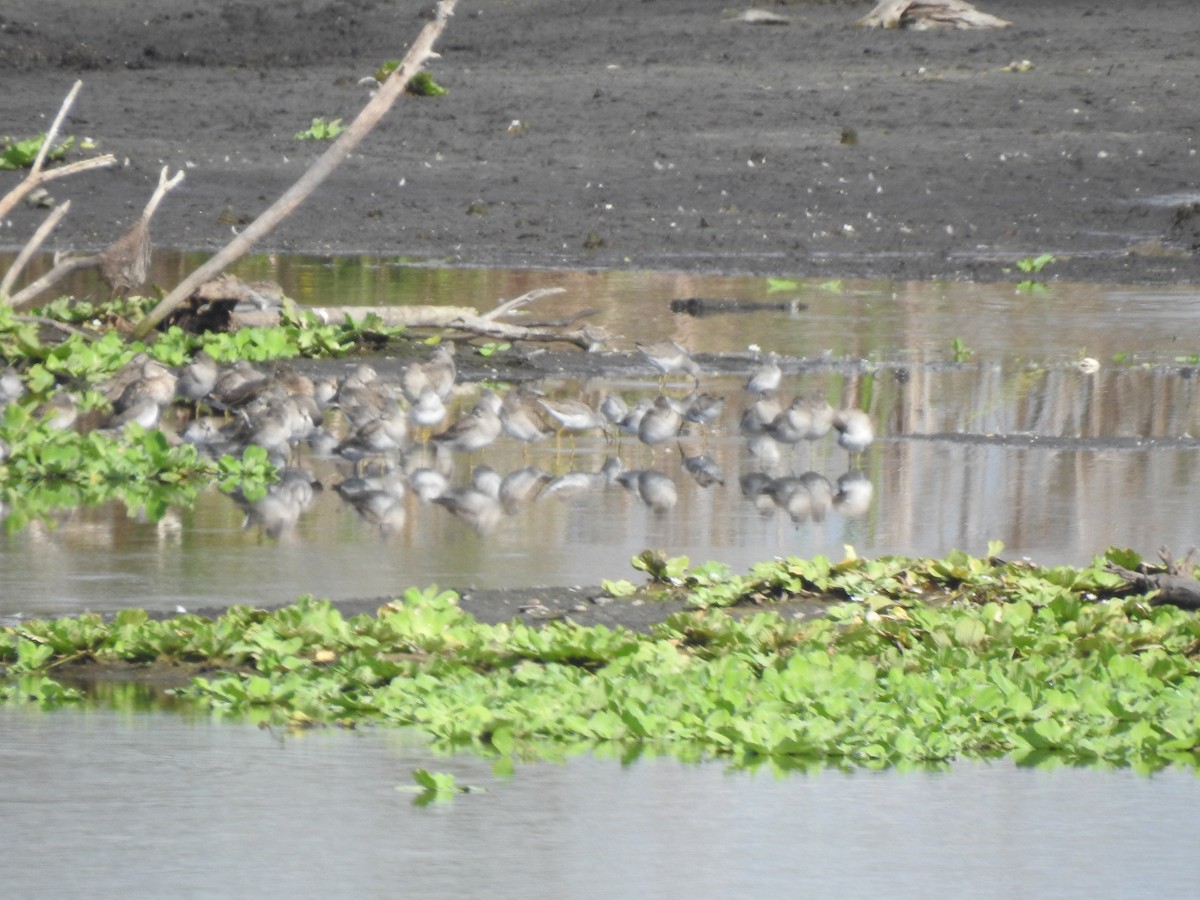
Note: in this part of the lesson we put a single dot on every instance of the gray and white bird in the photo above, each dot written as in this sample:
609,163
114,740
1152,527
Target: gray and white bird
855,431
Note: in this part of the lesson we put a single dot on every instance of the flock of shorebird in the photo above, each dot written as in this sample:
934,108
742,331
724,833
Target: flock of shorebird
396,435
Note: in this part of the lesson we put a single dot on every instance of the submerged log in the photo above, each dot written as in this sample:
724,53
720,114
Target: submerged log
923,14
713,306
226,303
1170,586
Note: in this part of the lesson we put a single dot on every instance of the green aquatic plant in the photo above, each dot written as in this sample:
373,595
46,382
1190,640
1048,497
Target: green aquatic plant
960,351
248,475
423,85
49,468
321,130
491,348
20,153
436,787
928,661
775,285
1031,265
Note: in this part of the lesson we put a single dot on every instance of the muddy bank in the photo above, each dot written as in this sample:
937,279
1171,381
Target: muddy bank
648,134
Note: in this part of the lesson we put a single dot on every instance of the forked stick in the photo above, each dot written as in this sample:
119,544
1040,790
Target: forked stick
36,176
123,264
31,247
368,118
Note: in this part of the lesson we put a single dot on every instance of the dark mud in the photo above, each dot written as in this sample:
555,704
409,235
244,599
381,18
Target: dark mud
652,133
636,134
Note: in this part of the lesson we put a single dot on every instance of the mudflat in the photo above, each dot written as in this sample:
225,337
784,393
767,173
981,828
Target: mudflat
638,133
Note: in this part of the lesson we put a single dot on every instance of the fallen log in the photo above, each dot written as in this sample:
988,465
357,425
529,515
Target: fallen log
1169,586
924,14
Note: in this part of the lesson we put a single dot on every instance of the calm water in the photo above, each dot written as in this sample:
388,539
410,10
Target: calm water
1012,443
111,804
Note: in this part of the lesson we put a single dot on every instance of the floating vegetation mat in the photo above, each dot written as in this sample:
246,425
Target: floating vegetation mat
913,662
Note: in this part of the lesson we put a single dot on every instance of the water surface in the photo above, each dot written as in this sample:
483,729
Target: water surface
987,430
130,804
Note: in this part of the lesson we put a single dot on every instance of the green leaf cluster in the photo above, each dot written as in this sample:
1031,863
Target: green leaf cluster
50,469
20,153
321,130
1033,669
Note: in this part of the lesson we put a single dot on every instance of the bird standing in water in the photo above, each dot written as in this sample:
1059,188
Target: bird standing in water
670,358
855,431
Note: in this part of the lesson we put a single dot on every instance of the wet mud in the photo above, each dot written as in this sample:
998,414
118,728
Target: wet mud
638,134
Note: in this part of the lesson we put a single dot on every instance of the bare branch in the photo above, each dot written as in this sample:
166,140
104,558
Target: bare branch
37,176
53,132
61,270
388,93
510,305
31,247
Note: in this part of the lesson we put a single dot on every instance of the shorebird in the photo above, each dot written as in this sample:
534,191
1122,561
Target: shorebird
521,487
703,409
154,382
760,414
197,378
477,508
703,468
12,387
614,408
236,385
519,417
854,494
428,410
820,494
60,411
571,484
382,436
820,418
143,410
792,424
428,484
438,372
474,431
573,416
660,423
670,358
652,487
632,420
766,377
855,431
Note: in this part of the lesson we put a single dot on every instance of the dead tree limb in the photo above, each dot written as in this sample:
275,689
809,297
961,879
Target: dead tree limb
31,247
464,319
922,14
37,176
526,298
62,268
124,263
388,93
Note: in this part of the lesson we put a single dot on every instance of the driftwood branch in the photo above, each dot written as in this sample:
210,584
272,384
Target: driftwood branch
52,134
526,298
125,263
36,176
117,262
61,270
464,319
921,14
31,247
389,92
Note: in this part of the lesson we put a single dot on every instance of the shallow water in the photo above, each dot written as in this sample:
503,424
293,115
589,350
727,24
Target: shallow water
1012,443
130,804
